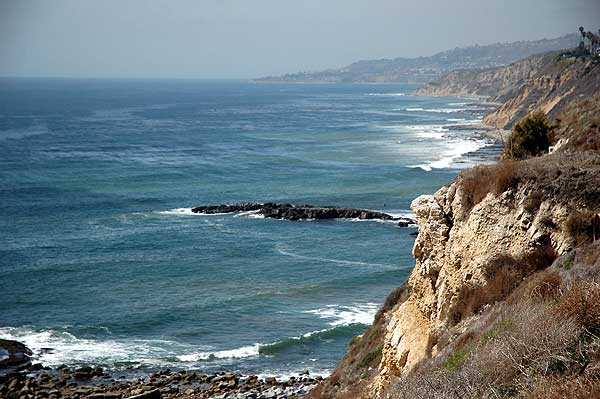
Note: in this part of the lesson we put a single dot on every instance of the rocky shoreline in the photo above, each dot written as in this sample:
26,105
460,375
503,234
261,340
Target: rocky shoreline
21,379
302,212
94,383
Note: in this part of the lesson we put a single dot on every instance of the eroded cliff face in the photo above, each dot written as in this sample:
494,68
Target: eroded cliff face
549,90
494,83
546,83
458,257
466,259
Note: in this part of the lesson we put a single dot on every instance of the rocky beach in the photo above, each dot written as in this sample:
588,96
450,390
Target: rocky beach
20,379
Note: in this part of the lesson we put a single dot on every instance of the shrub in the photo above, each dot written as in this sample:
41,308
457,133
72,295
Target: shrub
581,225
355,340
530,137
544,285
371,357
582,303
455,360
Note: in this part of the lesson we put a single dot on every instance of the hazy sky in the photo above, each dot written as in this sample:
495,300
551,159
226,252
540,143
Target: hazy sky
249,38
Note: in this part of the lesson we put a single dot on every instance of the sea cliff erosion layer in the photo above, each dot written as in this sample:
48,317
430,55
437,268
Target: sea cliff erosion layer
546,82
302,212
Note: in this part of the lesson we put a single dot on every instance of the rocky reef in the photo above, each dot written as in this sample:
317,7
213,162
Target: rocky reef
302,212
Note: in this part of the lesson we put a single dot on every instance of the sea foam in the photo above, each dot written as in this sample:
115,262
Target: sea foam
386,94
339,315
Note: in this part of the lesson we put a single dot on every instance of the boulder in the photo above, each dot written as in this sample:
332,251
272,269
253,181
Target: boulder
14,356
154,394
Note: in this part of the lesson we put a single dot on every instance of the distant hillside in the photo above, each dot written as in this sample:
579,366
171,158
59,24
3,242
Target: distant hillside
426,69
545,82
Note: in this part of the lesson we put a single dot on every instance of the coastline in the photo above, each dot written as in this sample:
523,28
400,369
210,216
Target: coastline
114,385
94,383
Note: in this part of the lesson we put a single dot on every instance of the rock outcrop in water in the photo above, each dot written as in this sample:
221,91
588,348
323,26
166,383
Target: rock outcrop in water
302,212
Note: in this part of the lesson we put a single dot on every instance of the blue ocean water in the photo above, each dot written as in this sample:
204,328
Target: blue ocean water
102,262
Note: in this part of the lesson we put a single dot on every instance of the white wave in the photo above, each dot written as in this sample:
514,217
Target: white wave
188,212
239,353
429,131
245,213
437,110
335,261
340,315
386,94
458,148
53,348
285,374
250,215
256,216
425,128
446,110
465,121
401,214
179,212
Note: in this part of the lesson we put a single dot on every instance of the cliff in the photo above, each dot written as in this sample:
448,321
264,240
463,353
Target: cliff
504,298
546,82
426,69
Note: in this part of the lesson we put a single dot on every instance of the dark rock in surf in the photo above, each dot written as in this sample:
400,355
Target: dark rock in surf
14,356
215,209
303,212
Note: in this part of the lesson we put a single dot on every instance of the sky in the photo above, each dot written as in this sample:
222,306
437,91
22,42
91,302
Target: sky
253,38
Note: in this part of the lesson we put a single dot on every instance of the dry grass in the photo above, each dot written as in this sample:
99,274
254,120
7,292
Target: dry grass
482,180
395,297
581,225
559,388
563,177
580,123
543,286
582,304
543,341
503,275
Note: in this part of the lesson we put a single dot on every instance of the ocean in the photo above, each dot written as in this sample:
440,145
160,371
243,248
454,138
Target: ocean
103,263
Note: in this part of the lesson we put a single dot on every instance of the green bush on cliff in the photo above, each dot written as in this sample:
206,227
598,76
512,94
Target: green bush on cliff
530,137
